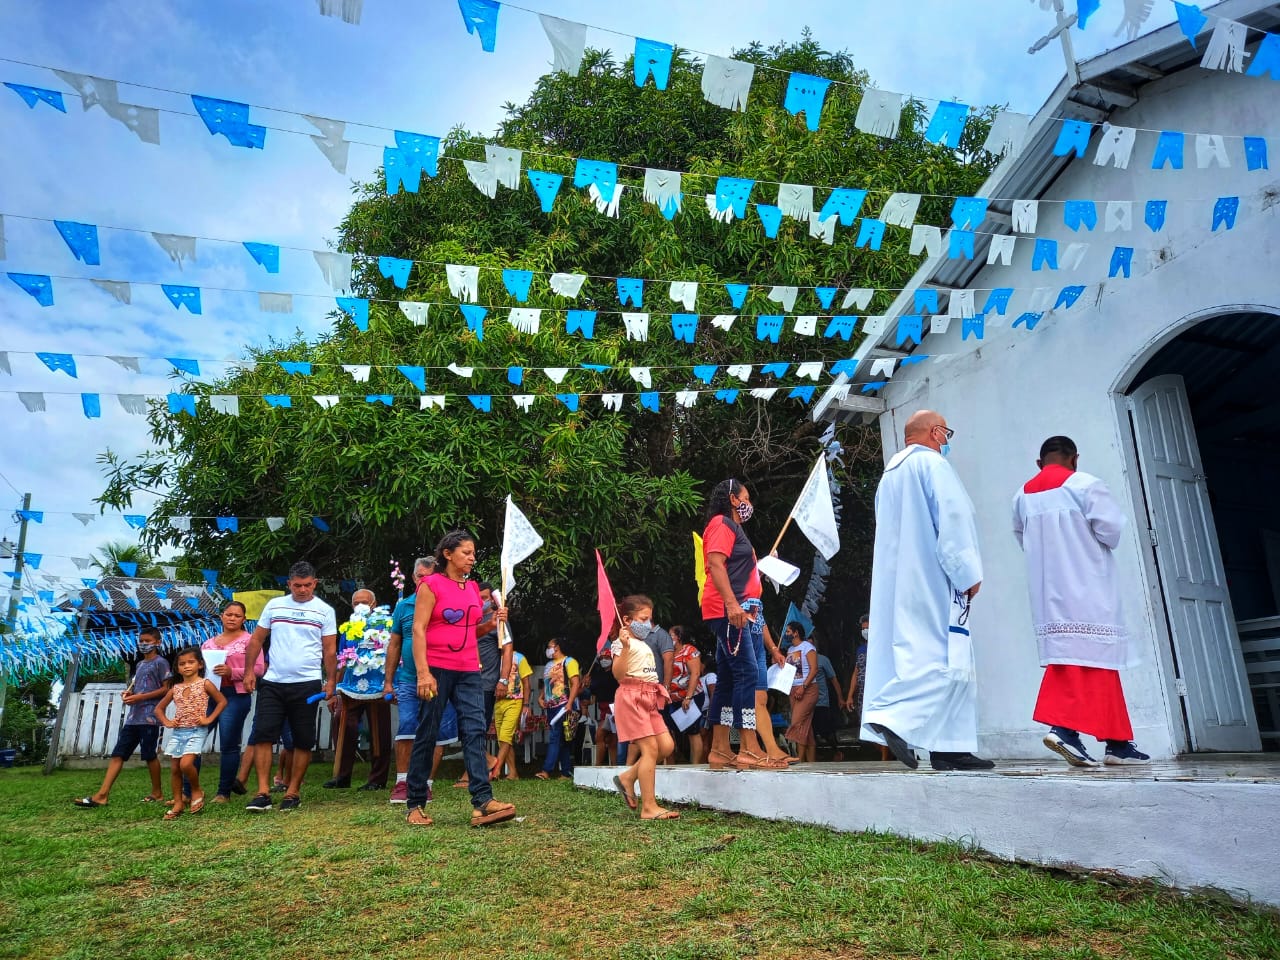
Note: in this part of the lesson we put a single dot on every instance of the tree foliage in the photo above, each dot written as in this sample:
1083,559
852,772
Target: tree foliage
389,482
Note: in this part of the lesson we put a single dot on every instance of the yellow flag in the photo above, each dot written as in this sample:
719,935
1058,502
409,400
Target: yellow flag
699,565
255,600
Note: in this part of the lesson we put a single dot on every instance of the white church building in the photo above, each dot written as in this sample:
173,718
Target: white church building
1167,379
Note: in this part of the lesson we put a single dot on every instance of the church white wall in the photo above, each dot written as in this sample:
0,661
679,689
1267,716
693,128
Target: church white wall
1004,395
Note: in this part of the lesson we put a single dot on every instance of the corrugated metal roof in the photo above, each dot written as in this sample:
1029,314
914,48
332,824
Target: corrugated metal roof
113,595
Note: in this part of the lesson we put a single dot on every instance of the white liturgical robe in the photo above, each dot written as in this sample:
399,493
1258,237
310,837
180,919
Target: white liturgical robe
926,550
1069,525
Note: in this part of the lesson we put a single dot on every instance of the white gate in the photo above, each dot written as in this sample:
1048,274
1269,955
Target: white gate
1208,661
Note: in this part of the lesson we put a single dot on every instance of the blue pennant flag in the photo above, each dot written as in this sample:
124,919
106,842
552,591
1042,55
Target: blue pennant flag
1266,60
684,326
319,524
873,386
35,516
570,400
400,170
396,270
1224,213
1121,262
1190,20
1068,296
1045,254
33,95
737,294
805,92
947,124
870,234
1169,148
59,361
415,375
652,57
1155,213
481,401
910,328
630,288
1080,213
481,19
967,212
1255,152
925,300
769,327
184,365
600,172
89,582
182,403
728,395
649,400
1073,138
705,372
299,367
193,602
841,327
385,399
846,367
81,238
32,559
128,568
844,203
733,193
1029,319
1086,9
357,308
38,285
517,283
804,393
581,321
231,524
280,400
45,595
266,254
421,149
230,119
181,296
798,618
975,326
826,296
770,218
546,186
778,370
210,577
596,367
998,300
515,375
474,314
135,520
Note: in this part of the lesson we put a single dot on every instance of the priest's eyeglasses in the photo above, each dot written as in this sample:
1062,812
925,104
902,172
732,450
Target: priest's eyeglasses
948,431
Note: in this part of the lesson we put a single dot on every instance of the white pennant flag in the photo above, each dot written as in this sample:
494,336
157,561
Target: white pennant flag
349,10
608,207
740,371
807,325
810,370
1008,134
326,400
685,292
726,83
119,289
858,298
641,376
275,302
416,312
686,398
785,296
900,209
464,372
129,363
84,518
1001,249
359,371
637,325
1211,150
723,321
1026,213
814,513
824,230
925,237
505,163
1115,146
169,570
335,268
715,213
519,540
523,400
331,142
225,403
874,326
275,523
555,374
426,401
1226,47
464,281
764,393
879,113
567,284
662,187
34,402
82,563
611,401
524,319
179,248
1072,257
960,304
938,324
568,41
1117,215
795,200
482,176
181,523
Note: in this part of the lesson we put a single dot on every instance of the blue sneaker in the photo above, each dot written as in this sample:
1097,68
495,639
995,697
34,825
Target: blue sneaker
1067,744
1121,753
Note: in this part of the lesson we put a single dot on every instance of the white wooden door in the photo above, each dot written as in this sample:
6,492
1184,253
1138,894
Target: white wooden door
1211,675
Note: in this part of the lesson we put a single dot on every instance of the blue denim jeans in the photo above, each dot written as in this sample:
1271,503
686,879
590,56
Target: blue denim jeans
559,753
737,673
230,731
466,692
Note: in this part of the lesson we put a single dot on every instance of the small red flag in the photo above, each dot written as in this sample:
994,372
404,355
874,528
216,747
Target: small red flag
606,603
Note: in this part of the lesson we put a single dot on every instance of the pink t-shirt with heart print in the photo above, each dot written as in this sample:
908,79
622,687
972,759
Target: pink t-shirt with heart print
451,631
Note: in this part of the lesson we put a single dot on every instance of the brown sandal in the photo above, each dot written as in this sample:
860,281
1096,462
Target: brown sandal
492,812
172,814
726,761
665,815
751,761
417,817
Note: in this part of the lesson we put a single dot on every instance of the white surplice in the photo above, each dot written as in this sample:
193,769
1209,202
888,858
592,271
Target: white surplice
1069,534
926,550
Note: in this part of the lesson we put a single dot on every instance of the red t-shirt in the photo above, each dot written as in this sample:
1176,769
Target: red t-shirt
451,631
728,539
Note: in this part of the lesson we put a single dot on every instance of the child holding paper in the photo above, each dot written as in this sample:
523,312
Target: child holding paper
190,696
637,707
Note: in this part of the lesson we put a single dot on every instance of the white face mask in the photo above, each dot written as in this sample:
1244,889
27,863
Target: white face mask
864,633
551,653
361,610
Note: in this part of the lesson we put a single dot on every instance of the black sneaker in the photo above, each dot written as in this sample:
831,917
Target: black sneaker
259,804
237,787
958,761
278,787
373,786
1068,745
337,783
290,803
1124,754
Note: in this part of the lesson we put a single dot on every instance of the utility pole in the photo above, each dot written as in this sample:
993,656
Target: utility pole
15,590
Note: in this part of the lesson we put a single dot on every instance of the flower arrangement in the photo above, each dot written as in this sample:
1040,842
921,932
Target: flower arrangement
364,648
397,577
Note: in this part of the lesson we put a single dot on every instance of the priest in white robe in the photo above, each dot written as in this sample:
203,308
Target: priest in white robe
1068,525
920,688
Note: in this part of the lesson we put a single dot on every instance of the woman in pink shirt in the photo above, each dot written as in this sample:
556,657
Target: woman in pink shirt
233,640
446,613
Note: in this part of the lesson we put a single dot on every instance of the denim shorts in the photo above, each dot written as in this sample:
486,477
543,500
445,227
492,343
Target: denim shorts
407,709
186,740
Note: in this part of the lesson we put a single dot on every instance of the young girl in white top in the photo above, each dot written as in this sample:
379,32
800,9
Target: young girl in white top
637,707
190,694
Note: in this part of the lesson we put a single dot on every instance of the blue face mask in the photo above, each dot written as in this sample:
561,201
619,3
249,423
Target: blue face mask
945,449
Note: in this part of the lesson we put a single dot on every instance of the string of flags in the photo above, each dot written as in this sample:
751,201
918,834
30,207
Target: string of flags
137,521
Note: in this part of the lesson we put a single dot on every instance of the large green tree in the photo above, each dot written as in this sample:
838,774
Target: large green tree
390,481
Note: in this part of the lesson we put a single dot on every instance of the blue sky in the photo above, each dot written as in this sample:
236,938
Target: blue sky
408,65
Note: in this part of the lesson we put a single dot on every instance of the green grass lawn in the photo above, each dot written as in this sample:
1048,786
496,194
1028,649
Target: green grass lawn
577,877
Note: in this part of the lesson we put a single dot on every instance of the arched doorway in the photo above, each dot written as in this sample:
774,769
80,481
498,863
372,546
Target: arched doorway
1204,411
